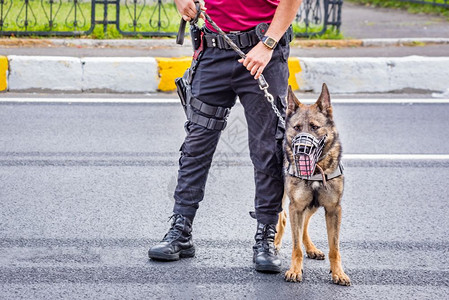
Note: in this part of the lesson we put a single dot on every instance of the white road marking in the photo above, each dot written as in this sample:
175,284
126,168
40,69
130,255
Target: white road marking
176,100
396,156
91,100
155,156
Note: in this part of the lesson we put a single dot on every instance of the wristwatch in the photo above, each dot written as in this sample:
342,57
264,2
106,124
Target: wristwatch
269,42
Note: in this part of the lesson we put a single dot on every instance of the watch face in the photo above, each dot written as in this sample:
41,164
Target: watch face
269,42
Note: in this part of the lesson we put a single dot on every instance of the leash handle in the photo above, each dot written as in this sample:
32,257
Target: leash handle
182,24
181,32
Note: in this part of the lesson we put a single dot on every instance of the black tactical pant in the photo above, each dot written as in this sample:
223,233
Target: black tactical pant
218,80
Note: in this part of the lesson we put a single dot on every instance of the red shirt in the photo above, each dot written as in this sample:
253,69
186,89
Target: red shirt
240,15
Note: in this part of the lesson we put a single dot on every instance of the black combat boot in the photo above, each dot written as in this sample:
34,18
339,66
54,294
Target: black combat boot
177,243
265,254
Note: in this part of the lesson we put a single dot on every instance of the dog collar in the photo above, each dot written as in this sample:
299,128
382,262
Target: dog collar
317,177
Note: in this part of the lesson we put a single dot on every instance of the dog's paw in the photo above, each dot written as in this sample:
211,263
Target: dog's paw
341,278
293,276
315,254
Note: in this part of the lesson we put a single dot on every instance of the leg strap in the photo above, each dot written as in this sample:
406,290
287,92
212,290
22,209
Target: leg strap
210,110
206,115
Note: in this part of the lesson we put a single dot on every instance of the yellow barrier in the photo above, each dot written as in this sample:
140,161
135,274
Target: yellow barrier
3,73
171,68
294,68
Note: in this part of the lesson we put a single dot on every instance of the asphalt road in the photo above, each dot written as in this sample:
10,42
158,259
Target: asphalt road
85,189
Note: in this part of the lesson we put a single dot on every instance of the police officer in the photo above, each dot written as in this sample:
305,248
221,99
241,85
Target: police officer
220,76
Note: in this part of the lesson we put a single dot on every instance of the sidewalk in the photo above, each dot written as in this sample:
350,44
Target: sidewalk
381,43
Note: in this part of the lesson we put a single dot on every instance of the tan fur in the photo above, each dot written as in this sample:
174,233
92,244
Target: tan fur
300,192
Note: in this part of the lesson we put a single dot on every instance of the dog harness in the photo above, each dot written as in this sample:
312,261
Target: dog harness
317,177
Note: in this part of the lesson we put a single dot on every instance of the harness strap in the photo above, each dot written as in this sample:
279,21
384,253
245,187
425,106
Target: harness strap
318,177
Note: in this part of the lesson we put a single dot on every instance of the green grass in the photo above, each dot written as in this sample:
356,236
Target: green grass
410,7
330,34
38,19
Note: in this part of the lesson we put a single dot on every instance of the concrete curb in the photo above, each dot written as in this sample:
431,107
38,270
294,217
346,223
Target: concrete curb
374,74
44,73
151,74
170,43
119,74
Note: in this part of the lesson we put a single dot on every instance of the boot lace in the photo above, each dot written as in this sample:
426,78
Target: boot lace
175,230
266,239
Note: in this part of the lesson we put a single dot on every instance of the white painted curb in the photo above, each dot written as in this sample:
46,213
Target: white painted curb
374,75
120,74
103,74
403,41
140,74
44,73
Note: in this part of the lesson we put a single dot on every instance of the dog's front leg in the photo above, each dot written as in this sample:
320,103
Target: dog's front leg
333,221
296,212
280,227
311,250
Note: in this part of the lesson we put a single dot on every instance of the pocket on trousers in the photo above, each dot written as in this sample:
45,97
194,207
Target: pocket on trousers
285,52
182,149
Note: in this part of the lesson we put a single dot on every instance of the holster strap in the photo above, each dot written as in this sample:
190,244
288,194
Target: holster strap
207,122
210,110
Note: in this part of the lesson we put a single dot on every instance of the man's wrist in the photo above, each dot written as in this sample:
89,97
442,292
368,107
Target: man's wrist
269,42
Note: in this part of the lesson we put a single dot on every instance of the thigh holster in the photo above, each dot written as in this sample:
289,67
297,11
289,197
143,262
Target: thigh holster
198,112
206,115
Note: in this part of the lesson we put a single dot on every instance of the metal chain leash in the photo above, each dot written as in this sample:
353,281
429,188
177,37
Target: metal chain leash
263,84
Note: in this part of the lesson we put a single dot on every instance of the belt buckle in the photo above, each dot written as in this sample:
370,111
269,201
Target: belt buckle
222,112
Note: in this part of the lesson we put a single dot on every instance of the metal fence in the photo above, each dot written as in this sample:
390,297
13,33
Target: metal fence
440,3
131,17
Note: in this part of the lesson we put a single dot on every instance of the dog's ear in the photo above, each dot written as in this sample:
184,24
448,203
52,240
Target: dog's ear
292,102
324,102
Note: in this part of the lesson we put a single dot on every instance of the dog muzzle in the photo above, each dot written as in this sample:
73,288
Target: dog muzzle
307,150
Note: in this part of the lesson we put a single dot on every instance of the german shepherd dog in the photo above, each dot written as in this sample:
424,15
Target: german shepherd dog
307,195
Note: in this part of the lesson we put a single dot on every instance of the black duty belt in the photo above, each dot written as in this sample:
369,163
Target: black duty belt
241,39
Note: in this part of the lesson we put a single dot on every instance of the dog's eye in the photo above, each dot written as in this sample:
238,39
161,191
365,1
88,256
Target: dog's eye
314,127
297,128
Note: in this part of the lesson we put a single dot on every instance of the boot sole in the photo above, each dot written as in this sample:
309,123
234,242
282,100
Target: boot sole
267,268
172,257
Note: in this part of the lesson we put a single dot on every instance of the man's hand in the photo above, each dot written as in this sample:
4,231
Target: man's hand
257,59
187,9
